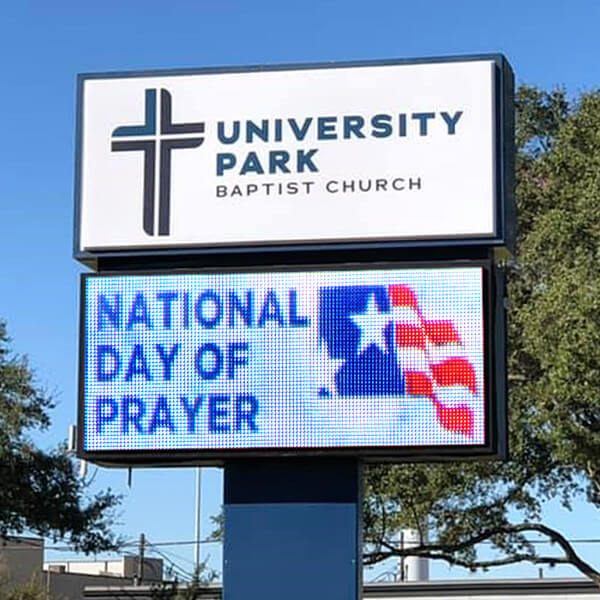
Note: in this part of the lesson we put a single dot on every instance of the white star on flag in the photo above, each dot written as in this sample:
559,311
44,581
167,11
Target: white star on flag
372,324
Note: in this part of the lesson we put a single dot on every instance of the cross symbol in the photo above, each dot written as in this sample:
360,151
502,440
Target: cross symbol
148,139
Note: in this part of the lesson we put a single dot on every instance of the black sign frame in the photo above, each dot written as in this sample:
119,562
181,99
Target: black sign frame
495,446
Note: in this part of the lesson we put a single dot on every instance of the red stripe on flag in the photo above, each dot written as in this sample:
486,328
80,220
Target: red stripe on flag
410,336
402,295
455,371
419,384
442,332
459,419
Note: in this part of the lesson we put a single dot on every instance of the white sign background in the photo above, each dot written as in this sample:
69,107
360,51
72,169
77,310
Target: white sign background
456,198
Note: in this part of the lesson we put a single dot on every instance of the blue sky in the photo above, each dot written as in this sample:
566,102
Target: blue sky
44,45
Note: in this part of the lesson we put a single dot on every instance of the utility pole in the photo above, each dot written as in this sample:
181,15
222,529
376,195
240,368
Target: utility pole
140,570
402,558
198,528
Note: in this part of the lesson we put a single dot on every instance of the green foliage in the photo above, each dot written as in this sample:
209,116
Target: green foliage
204,576
30,590
40,490
218,524
553,364
561,318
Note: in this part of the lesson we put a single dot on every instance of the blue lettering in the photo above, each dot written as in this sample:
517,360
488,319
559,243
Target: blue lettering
137,364
211,354
353,125
253,130
246,409
451,121
252,165
186,310
326,128
401,125
237,356
278,125
132,411
217,413
167,358
191,411
106,411
167,299
107,313
271,311
139,312
300,132
295,319
232,138
215,314
423,118
244,310
278,159
107,371
305,160
382,126
225,161
161,417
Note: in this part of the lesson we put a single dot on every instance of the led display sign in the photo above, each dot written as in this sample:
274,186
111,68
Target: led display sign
398,152
376,361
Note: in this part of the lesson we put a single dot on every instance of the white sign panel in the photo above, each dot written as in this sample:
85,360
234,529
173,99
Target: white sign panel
325,154
274,361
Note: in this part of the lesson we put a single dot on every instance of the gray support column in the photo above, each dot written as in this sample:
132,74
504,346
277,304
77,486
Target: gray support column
293,529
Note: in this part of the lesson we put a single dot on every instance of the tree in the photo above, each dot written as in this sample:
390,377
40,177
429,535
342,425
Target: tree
195,589
553,361
40,490
30,590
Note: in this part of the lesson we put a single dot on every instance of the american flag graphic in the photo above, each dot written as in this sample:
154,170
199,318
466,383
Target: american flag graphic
386,347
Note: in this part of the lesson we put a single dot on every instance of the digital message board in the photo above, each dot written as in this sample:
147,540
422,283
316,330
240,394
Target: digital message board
373,361
402,152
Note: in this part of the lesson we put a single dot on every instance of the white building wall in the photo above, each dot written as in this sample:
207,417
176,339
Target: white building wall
127,566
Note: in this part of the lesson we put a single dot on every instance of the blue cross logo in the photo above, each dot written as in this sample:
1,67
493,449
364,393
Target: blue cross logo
157,147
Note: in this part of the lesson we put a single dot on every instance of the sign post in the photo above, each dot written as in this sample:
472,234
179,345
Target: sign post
293,527
295,275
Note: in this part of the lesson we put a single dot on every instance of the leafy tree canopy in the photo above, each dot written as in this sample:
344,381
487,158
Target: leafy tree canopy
40,491
553,365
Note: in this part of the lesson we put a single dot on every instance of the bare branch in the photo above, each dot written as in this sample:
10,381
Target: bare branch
447,552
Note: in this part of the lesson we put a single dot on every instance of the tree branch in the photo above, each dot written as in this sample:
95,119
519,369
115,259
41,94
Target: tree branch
448,552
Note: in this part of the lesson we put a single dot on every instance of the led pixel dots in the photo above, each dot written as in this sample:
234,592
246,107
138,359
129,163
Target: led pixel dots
284,360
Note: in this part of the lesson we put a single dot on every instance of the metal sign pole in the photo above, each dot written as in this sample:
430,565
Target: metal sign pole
293,529
198,524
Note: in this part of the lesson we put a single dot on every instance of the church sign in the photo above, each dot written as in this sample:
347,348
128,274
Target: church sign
396,153
375,361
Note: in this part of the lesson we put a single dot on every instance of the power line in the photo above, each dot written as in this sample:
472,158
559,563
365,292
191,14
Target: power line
181,571
132,544
180,557
190,543
25,546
